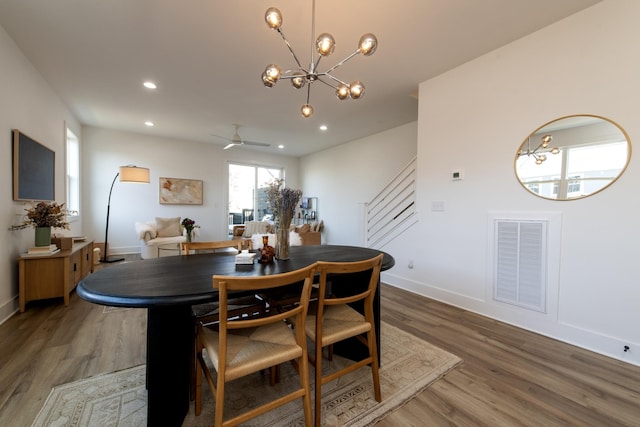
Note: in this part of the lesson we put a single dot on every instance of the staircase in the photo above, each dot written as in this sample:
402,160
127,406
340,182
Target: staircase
393,210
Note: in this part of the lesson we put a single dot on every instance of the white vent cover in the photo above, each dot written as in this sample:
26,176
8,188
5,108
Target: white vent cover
520,270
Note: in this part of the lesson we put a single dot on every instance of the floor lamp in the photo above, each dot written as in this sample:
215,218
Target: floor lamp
128,173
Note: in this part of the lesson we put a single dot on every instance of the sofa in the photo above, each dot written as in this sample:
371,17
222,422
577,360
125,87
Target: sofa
160,236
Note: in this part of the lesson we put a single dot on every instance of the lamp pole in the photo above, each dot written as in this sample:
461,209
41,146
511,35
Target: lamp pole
105,258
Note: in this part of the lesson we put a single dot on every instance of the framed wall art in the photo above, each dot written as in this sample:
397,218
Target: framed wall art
177,191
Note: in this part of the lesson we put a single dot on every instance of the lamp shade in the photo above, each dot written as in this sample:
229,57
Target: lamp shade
134,174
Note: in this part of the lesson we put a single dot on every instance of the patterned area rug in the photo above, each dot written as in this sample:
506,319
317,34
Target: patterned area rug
409,365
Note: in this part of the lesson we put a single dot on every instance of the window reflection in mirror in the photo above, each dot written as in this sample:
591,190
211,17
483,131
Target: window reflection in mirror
572,157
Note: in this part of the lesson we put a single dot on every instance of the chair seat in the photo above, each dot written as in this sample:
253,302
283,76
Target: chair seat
254,349
339,322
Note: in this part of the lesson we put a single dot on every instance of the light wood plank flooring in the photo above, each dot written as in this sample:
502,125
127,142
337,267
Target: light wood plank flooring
509,377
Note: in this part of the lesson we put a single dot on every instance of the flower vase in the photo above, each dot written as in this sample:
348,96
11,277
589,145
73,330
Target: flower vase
282,241
43,236
189,236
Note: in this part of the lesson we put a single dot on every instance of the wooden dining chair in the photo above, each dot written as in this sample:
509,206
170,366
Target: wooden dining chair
239,347
244,305
248,305
332,319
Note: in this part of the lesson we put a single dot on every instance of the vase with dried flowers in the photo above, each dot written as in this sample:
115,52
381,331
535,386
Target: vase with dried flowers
283,202
44,216
189,226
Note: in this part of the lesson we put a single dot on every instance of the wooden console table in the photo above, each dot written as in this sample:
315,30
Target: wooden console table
51,276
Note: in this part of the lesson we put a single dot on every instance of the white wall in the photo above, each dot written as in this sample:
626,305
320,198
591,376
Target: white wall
346,176
27,103
474,118
105,150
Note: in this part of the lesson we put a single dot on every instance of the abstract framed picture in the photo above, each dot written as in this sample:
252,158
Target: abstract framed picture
177,191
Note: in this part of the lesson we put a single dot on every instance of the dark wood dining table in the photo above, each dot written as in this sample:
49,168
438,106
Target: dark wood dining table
167,287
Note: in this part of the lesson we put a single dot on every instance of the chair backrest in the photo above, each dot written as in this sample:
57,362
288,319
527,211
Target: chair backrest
345,293
227,285
187,247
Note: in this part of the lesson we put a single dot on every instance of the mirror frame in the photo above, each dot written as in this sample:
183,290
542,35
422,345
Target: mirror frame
537,130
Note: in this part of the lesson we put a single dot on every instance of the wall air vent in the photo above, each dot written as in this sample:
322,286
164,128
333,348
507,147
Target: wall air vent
520,268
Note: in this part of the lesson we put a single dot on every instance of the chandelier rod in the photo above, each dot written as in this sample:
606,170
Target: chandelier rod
290,48
339,64
313,37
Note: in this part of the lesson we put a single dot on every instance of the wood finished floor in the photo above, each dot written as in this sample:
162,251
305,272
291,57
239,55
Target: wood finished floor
509,377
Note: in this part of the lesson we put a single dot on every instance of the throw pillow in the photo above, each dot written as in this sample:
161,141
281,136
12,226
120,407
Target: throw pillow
254,227
168,227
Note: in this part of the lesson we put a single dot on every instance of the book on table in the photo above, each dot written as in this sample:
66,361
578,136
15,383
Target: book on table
42,250
245,257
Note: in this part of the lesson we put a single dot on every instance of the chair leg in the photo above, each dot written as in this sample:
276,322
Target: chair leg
219,414
274,375
318,385
373,353
198,381
303,373
194,362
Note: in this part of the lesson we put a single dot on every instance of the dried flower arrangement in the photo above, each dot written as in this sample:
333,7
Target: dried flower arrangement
44,214
283,202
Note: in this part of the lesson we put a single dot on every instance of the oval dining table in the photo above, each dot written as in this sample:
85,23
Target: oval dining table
168,286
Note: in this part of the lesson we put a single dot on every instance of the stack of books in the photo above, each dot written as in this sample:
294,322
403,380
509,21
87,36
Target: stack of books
43,250
245,257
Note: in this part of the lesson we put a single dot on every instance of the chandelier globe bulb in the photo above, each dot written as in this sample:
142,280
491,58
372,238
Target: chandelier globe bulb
266,81
271,75
273,18
555,150
368,44
299,80
342,91
325,44
307,111
356,90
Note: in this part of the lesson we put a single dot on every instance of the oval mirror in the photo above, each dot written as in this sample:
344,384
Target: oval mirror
572,157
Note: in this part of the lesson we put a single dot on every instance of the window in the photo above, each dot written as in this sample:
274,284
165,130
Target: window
247,199
73,174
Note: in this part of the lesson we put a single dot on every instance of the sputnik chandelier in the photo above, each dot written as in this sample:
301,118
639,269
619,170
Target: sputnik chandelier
324,45
538,152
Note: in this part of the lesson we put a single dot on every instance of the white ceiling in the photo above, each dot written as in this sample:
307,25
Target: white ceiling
206,57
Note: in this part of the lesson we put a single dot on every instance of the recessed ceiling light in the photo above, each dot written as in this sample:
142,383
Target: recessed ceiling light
150,85
323,127
281,146
149,123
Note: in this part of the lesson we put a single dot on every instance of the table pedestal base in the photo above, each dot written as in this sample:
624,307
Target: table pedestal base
169,340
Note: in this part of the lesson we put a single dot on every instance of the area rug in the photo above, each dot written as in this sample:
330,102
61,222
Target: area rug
408,366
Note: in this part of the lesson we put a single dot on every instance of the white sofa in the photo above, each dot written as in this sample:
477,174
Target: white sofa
163,233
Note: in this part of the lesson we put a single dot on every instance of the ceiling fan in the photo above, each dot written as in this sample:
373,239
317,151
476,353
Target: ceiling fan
237,140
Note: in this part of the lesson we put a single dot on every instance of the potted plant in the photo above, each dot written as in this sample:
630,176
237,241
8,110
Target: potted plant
43,216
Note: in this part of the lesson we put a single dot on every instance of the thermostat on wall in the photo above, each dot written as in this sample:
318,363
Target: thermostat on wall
456,175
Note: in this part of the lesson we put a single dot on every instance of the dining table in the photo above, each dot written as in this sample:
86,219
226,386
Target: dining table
169,286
